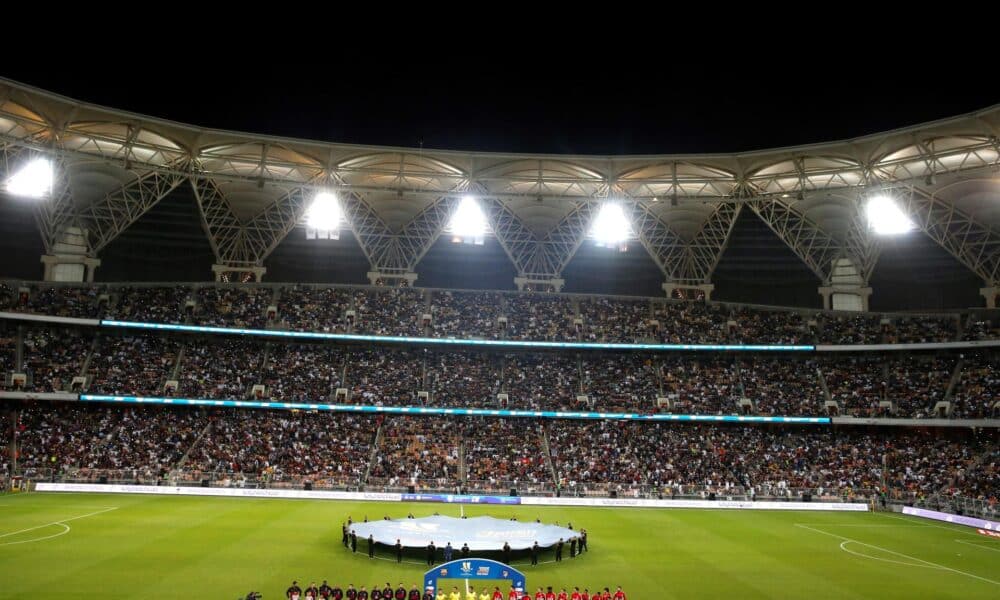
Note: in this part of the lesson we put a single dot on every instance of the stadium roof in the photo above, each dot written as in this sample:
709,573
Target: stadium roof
252,190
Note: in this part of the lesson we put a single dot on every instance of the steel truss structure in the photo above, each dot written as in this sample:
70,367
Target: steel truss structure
158,156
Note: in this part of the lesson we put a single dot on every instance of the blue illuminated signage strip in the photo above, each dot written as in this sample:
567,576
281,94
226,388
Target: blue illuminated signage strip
313,335
474,412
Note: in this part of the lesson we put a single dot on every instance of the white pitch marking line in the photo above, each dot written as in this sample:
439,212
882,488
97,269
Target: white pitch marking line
905,564
856,525
978,546
59,522
48,537
903,555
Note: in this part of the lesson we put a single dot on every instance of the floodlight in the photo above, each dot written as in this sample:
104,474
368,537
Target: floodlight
324,212
611,228
885,217
468,224
34,180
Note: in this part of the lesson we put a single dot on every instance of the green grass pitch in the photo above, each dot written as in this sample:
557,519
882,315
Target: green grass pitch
122,546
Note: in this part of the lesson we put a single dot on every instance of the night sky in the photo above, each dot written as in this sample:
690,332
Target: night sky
515,109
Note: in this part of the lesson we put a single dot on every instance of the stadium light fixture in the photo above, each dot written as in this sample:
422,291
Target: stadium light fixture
34,180
885,216
611,229
323,217
468,224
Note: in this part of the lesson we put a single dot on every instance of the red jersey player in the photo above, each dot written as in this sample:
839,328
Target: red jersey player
539,595
619,594
563,595
576,594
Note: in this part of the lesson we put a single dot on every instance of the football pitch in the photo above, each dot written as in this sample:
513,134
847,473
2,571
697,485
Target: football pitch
125,546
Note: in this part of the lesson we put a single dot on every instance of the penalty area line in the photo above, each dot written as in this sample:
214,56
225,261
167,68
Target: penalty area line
980,546
926,562
59,522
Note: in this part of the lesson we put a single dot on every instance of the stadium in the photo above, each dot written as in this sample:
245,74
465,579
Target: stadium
770,373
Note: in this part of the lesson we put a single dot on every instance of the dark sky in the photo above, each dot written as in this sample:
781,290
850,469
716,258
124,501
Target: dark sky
520,108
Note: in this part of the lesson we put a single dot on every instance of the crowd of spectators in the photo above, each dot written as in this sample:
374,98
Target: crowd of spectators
463,380
8,355
703,384
981,327
150,304
137,365
466,315
233,306
758,326
621,382
578,457
854,329
225,369
53,357
6,296
616,320
76,302
540,317
418,452
85,440
324,448
314,309
916,383
505,453
389,311
385,377
477,314
856,383
691,323
542,381
303,372
978,389
915,330
781,386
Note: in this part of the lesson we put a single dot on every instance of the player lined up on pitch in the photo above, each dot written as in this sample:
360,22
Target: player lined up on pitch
387,592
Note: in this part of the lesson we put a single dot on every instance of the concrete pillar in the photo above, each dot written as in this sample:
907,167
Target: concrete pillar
220,270
831,302
556,283
706,288
375,276
61,267
990,294
69,260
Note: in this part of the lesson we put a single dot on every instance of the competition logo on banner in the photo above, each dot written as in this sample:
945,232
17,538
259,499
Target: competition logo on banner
475,568
460,499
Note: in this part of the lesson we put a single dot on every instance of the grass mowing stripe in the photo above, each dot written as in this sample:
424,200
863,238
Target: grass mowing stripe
902,555
59,522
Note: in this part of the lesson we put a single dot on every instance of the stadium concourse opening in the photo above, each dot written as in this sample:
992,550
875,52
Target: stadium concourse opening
438,538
